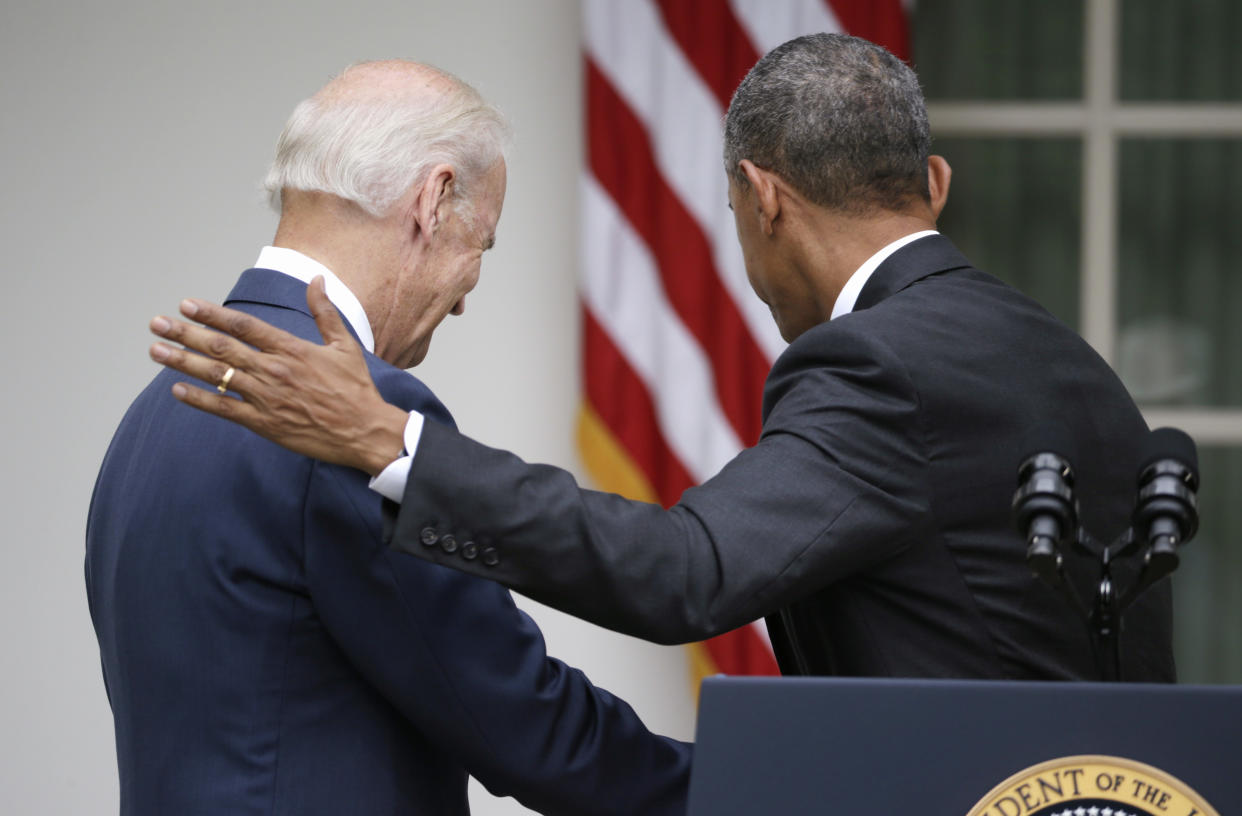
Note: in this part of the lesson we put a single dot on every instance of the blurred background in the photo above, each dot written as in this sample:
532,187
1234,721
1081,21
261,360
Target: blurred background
1097,155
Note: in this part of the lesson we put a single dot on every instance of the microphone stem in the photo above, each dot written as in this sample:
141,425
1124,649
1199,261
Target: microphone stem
1106,618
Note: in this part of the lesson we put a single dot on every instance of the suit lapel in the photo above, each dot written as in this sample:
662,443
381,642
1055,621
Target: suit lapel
913,262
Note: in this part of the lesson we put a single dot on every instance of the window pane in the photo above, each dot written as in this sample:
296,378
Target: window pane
1015,210
999,49
1180,276
1179,51
1207,587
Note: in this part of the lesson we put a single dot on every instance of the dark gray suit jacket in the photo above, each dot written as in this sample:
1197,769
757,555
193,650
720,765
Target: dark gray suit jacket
870,523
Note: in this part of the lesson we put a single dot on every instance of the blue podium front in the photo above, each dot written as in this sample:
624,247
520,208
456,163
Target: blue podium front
865,747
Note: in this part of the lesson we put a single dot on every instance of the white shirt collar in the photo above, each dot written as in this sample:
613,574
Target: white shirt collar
296,265
854,286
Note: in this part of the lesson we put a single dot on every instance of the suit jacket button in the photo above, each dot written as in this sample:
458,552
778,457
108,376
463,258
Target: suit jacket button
428,536
448,544
469,550
490,556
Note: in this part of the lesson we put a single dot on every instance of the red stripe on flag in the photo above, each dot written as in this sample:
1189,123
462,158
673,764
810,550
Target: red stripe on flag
883,22
741,651
711,37
621,400
621,158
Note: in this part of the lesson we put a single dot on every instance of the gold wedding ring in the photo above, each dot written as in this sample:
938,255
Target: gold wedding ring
224,381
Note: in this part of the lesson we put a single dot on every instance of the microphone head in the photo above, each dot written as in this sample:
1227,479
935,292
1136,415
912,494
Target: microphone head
1051,439
1170,443
1045,492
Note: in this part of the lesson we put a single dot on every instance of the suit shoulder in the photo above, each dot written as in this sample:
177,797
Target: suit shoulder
406,391
397,386
854,341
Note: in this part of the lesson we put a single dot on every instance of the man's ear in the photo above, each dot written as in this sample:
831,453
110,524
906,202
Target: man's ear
434,197
938,175
767,196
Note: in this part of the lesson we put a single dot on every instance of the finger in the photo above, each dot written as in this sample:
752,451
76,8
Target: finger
211,372
240,325
205,341
225,407
326,317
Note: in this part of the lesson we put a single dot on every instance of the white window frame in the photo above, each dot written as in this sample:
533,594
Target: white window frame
1101,120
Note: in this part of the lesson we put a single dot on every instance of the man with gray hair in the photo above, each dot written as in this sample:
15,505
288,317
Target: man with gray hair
870,523
263,650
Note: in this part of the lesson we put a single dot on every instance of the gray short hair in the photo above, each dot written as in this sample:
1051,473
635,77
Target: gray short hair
839,118
371,149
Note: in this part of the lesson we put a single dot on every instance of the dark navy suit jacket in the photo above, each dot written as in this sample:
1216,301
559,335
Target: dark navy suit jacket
265,653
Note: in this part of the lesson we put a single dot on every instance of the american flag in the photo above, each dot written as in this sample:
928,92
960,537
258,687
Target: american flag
675,345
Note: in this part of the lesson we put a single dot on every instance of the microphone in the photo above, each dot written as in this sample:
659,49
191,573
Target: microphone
1044,508
1166,513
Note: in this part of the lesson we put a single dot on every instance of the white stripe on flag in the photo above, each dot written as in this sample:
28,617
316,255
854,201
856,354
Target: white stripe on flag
770,24
761,629
632,48
622,289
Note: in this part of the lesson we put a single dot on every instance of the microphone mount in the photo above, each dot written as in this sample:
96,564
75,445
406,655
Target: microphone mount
1165,517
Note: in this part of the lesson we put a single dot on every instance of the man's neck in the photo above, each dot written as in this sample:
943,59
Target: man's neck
346,240
304,268
834,245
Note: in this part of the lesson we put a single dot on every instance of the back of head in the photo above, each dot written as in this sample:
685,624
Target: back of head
840,119
378,128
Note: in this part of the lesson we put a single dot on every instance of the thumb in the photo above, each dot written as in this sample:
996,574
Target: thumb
325,314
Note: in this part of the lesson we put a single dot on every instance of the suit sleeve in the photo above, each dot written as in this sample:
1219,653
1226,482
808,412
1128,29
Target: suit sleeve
469,670
835,485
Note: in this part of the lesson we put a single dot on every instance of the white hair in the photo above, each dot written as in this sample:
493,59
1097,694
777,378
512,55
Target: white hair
372,148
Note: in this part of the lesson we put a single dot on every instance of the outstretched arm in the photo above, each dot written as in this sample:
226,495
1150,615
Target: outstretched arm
316,400
835,485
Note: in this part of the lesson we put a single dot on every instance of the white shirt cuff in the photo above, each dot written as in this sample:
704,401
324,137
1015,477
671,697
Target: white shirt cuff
390,483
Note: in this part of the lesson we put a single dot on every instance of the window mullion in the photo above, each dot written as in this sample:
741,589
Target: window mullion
1098,317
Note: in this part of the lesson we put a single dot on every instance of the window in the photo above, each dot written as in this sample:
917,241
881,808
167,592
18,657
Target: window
1097,150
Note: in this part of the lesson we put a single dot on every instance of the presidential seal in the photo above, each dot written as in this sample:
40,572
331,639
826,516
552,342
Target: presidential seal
1092,786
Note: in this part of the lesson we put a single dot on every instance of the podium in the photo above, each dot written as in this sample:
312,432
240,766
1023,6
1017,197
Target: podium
868,747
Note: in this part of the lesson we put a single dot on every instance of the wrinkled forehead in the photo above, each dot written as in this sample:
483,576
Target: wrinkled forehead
493,185
487,198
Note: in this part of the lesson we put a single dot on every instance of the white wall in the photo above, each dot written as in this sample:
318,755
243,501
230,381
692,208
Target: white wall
133,136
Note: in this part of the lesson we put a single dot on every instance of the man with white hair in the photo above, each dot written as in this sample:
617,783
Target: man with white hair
263,649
